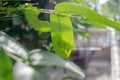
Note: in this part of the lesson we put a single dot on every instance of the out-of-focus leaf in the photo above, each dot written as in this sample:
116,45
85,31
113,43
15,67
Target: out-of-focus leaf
74,9
70,78
83,34
62,34
11,9
3,10
5,3
96,24
5,66
22,71
16,20
12,46
91,23
45,58
31,14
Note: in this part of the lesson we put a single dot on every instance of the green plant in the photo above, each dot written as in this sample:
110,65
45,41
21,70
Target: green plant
60,27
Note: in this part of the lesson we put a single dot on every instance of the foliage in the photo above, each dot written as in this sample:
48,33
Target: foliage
70,78
32,18
83,10
23,16
65,9
5,66
33,58
62,34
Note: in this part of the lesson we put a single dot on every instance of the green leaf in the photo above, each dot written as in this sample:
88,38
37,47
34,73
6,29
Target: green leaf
12,46
31,14
3,10
96,24
91,23
5,3
11,9
19,72
45,58
70,78
74,9
62,34
5,66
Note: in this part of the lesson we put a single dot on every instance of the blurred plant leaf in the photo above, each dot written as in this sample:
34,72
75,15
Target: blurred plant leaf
16,20
82,33
74,9
62,34
44,58
3,10
12,46
22,71
70,78
91,23
5,3
5,66
11,10
31,14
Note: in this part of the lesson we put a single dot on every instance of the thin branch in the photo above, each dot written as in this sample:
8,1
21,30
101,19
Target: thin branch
53,11
48,11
